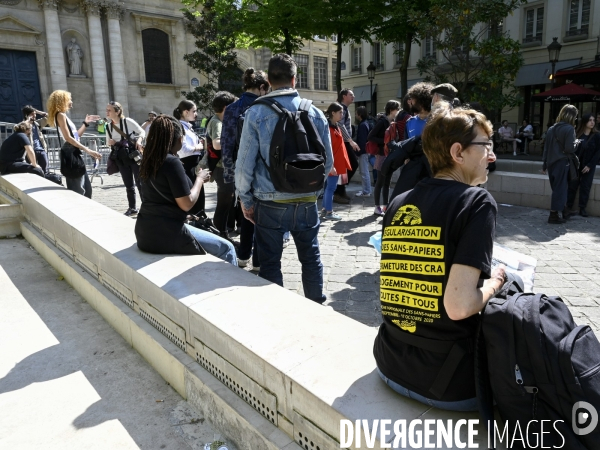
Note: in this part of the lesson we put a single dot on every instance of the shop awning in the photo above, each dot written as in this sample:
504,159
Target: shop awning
363,93
409,84
533,74
588,67
568,93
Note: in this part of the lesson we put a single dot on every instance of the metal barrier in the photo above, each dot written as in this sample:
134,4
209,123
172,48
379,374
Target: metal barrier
95,168
94,142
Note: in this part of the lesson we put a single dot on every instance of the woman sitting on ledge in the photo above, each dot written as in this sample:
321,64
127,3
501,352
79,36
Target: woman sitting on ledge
436,247
168,194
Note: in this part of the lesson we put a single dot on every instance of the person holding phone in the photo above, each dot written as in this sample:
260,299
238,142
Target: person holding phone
59,103
168,196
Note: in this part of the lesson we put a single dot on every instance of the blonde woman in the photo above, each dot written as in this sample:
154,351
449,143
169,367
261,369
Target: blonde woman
59,103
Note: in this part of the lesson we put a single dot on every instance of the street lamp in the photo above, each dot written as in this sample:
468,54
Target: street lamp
553,55
371,75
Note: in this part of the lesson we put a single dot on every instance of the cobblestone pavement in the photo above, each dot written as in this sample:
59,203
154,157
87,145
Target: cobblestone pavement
568,256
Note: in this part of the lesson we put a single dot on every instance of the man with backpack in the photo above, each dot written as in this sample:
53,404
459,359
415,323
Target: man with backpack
284,156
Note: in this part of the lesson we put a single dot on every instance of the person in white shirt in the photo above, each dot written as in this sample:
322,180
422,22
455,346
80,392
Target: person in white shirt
507,134
192,149
525,133
146,125
126,157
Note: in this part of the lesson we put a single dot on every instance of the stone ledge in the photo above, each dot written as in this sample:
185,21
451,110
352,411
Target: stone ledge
255,337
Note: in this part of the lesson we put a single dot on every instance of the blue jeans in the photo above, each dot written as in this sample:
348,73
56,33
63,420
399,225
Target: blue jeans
330,185
302,219
81,185
364,173
215,245
460,405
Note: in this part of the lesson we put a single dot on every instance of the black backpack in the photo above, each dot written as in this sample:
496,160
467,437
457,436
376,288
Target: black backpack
297,154
539,365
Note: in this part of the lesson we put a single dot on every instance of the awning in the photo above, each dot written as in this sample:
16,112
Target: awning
410,84
363,93
588,67
533,74
568,93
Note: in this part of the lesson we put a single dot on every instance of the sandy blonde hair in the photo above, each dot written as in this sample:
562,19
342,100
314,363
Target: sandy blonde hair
447,126
58,102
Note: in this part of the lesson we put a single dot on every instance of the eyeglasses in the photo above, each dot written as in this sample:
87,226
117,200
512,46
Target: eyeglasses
489,145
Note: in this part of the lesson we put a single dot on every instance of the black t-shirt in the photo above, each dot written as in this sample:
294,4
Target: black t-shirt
160,224
425,231
13,148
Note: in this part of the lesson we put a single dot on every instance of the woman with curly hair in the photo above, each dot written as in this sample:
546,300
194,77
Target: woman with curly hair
168,195
59,103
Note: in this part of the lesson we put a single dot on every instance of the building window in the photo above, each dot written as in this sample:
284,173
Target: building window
319,38
356,59
320,72
534,24
157,56
399,53
379,55
579,17
429,47
334,38
302,74
333,73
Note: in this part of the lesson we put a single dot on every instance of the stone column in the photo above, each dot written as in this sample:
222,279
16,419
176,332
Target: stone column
100,78
56,52
115,13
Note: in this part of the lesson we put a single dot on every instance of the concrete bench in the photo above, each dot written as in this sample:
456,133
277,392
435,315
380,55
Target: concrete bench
301,367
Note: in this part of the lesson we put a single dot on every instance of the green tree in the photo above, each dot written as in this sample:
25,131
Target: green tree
477,57
214,56
400,28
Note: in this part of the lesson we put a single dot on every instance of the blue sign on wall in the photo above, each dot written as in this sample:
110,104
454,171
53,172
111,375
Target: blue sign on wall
195,82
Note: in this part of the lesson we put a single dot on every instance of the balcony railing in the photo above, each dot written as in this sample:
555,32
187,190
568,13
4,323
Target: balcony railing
537,37
578,32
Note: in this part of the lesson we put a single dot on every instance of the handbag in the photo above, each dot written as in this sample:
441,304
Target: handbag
72,164
111,164
573,161
126,149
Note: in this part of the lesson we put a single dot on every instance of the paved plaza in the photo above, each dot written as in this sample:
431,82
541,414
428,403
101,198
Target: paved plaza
568,256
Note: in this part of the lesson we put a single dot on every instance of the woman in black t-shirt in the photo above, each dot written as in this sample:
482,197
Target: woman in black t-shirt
437,244
168,194
13,150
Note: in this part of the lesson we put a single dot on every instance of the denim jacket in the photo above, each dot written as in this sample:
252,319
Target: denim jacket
229,133
251,175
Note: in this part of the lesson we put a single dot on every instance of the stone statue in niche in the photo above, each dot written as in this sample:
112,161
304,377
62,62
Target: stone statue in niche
75,57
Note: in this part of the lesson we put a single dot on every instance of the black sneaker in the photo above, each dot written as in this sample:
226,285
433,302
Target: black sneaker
131,212
555,218
583,212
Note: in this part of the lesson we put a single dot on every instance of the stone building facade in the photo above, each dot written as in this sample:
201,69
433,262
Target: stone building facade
128,52
576,24
131,53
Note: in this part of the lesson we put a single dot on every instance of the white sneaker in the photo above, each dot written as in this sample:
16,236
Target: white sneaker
243,262
379,211
518,140
362,194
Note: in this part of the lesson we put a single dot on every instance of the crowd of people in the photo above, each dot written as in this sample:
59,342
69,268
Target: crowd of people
272,155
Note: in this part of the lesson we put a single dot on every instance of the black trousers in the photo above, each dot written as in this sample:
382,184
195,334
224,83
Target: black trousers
341,188
131,174
584,184
248,242
225,211
20,167
189,165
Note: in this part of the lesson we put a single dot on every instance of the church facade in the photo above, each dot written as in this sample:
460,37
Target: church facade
129,52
